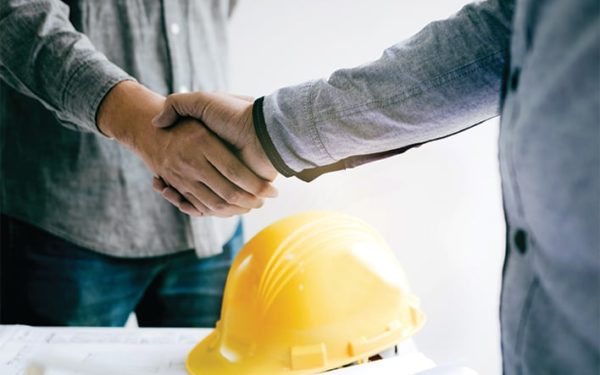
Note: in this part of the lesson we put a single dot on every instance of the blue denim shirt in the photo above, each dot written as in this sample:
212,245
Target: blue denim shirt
537,63
57,62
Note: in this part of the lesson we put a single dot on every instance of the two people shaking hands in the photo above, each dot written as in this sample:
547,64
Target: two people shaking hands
534,63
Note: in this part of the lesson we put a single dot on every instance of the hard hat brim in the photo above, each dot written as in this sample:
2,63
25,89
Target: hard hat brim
206,358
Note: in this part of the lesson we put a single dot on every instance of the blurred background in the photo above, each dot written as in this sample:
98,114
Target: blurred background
439,206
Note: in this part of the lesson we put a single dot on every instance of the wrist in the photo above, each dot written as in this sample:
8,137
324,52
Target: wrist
261,156
126,112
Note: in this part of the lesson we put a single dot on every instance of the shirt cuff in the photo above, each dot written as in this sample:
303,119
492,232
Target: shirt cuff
274,156
311,173
265,140
86,89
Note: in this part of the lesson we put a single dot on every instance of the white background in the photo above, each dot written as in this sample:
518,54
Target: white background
438,206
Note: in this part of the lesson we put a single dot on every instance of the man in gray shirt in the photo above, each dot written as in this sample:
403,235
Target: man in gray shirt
535,63
85,240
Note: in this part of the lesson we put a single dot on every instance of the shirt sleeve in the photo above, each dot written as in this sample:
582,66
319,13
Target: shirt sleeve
441,81
44,57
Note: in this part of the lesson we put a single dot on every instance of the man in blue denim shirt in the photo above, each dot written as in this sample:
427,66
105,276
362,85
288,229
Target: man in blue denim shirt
85,240
537,64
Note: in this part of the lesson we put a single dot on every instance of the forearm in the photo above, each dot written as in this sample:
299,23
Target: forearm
44,57
444,79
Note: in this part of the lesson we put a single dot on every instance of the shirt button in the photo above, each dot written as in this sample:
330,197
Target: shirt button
514,79
520,240
183,88
175,29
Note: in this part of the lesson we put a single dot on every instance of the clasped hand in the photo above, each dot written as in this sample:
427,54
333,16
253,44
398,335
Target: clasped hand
202,149
230,118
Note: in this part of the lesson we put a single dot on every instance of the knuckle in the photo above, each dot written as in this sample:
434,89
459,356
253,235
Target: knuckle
169,100
230,170
172,197
172,97
189,197
262,189
220,206
202,173
232,196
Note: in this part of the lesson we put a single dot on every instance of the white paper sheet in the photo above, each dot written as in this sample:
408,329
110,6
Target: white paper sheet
88,351
125,351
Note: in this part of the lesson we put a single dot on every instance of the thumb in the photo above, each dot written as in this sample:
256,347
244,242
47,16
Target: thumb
167,117
176,106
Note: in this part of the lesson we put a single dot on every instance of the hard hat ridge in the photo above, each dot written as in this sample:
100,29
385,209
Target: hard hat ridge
301,247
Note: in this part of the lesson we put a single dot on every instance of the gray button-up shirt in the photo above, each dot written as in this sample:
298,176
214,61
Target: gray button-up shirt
454,74
57,62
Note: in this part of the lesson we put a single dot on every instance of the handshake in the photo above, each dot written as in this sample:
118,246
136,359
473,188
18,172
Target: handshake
201,147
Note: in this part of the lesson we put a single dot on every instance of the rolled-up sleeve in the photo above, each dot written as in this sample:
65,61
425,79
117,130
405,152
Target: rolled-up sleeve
443,80
44,57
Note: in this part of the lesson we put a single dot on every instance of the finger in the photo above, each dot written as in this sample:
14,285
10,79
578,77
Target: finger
172,196
179,105
234,170
195,204
216,205
188,209
179,201
167,117
227,190
158,184
202,199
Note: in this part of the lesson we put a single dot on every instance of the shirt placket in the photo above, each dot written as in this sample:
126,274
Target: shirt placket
177,35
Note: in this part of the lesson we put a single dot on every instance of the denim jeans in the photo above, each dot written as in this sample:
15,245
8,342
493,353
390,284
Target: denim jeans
48,281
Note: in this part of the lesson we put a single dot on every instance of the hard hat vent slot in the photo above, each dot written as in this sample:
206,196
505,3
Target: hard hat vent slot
364,345
309,356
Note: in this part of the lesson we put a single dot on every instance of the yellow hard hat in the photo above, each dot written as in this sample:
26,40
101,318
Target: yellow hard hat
309,293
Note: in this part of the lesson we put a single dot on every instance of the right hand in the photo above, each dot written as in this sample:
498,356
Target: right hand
229,116
188,157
